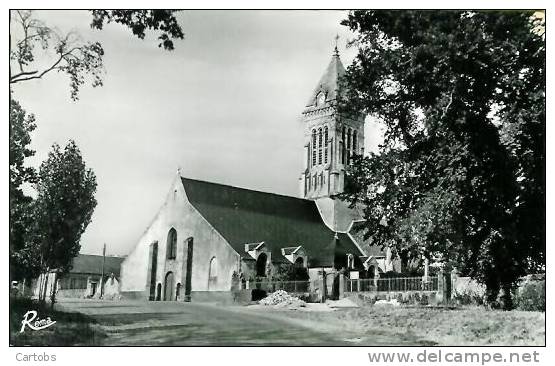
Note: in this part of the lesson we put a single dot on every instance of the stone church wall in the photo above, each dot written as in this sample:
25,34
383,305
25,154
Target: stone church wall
179,214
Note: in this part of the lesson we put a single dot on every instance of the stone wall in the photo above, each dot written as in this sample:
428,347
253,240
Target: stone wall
402,297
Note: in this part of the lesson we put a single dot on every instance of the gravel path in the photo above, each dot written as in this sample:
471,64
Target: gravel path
141,323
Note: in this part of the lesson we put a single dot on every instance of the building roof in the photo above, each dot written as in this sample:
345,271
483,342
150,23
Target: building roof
329,82
357,232
290,250
244,216
88,263
337,213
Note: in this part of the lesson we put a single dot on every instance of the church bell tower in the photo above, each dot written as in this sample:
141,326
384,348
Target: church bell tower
329,138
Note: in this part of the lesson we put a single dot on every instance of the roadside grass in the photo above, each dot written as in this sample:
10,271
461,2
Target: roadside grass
71,329
471,326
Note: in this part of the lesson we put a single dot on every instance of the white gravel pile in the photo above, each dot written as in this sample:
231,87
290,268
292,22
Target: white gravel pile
392,302
281,298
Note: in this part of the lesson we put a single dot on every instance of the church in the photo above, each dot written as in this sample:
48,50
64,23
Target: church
205,235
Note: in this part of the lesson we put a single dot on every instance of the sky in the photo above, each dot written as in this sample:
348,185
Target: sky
224,106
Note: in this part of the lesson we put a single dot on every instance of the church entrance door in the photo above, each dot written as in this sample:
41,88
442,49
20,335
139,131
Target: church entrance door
168,287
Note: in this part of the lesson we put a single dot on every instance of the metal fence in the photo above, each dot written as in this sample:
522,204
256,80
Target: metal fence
391,284
289,286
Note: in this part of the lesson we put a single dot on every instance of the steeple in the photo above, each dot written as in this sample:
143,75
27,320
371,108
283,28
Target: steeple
329,82
330,138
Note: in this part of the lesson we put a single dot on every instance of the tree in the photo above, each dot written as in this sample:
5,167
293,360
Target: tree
80,60
63,208
461,95
140,20
22,261
77,59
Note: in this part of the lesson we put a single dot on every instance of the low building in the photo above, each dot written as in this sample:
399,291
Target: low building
84,279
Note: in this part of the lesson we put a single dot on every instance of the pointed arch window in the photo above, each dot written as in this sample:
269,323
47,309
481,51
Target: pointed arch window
343,145
171,246
326,145
319,146
349,146
313,147
212,272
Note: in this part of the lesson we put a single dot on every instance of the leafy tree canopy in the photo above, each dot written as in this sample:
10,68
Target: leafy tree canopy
460,175
21,126
81,61
64,206
22,261
138,21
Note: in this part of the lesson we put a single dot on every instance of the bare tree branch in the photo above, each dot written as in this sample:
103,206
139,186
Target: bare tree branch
74,57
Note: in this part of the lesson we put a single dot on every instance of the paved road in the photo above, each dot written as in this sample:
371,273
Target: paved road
141,323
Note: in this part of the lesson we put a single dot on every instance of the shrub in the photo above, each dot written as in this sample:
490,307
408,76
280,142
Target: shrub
393,274
530,296
468,297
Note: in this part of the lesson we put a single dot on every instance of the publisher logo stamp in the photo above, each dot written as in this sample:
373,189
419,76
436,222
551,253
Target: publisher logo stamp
31,320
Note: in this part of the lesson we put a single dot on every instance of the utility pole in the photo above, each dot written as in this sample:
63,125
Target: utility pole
102,278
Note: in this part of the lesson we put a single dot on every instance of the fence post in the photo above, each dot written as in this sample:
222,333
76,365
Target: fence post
323,285
341,285
447,287
440,285
426,270
454,275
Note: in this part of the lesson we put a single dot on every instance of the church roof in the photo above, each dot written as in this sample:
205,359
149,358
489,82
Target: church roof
337,213
245,216
329,82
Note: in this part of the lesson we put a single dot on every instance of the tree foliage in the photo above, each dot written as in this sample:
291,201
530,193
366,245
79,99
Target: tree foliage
78,59
31,40
21,126
63,208
37,49
22,261
64,205
138,21
460,175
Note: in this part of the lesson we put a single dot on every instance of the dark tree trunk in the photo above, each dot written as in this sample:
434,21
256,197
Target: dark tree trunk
492,291
53,293
42,296
507,297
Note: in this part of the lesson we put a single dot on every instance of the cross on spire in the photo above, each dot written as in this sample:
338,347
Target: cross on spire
336,51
